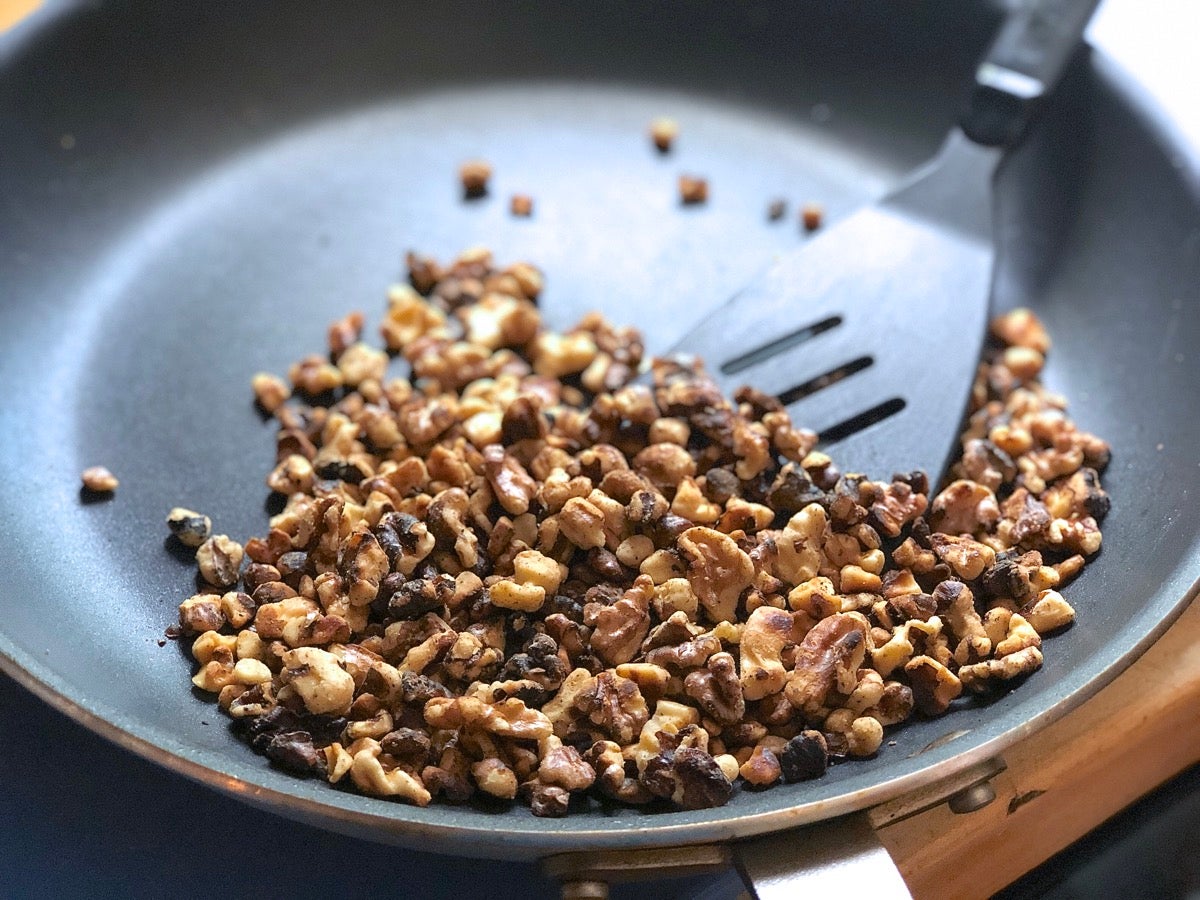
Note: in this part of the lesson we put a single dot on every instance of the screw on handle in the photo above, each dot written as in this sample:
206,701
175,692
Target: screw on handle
1022,67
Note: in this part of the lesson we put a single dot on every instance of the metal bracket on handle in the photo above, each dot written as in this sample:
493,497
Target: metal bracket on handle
781,865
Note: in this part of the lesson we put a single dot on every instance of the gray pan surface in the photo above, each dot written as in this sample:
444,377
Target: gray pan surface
189,194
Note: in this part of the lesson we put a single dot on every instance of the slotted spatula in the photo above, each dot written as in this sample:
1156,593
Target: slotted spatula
871,333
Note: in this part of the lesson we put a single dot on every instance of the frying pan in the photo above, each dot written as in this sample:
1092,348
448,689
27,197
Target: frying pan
190,193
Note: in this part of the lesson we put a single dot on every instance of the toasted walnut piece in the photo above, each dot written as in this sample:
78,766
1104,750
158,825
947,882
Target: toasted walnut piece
964,507
363,564
1048,612
318,680
933,685
898,505
811,216
238,608
493,777
508,718
372,778
99,479
548,801
798,545
474,175
531,567
664,465
512,595
619,629
717,569
968,558
766,633
219,558
293,474
634,550
663,132
804,757
763,766
979,676
693,190
827,659
582,523
564,767
690,503
190,528
1020,636
521,205
717,690
200,613
557,356
270,391
1021,328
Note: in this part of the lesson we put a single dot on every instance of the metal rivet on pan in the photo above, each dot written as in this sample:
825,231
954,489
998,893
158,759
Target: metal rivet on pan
584,890
976,797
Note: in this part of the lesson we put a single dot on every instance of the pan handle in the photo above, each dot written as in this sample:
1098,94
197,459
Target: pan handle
1022,67
819,860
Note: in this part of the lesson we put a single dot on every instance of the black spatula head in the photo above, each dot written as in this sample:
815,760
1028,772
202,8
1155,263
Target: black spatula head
871,333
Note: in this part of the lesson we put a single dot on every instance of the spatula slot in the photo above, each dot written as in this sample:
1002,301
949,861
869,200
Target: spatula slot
824,380
779,345
863,420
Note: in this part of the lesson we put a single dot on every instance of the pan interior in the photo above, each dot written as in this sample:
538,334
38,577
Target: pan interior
151,268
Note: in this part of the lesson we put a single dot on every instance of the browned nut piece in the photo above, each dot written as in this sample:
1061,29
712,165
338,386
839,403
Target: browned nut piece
1021,328
190,528
582,523
964,507
493,777
933,685
294,474
521,205
513,485
362,563
767,632
827,659
968,558
270,391
619,629
1050,611
717,690
717,569
663,132
99,479
474,175
318,680
219,558
200,613
565,768
811,216
693,190
980,675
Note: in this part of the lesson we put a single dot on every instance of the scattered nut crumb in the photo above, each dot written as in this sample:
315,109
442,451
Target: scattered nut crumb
521,205
776,209
474,176
811,216
693,190
663,133
99,479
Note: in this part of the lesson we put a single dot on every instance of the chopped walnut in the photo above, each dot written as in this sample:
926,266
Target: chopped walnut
486,575
474,175
693,189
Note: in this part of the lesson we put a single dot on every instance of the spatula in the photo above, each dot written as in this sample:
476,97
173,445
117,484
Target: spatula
871,332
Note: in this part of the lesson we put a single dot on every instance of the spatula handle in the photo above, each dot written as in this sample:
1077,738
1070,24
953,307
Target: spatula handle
1022,67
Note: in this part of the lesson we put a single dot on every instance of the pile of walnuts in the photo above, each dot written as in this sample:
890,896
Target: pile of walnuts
518,573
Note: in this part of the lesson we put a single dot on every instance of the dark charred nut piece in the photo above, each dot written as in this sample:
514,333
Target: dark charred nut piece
693,190
521,205
689,777
411,599
190,528
776,209
99,479
934,686
474,175
716,689
811,216
804,757
663,132
294,751
549,801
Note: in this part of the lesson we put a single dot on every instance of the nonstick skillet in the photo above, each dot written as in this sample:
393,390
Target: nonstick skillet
190,193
